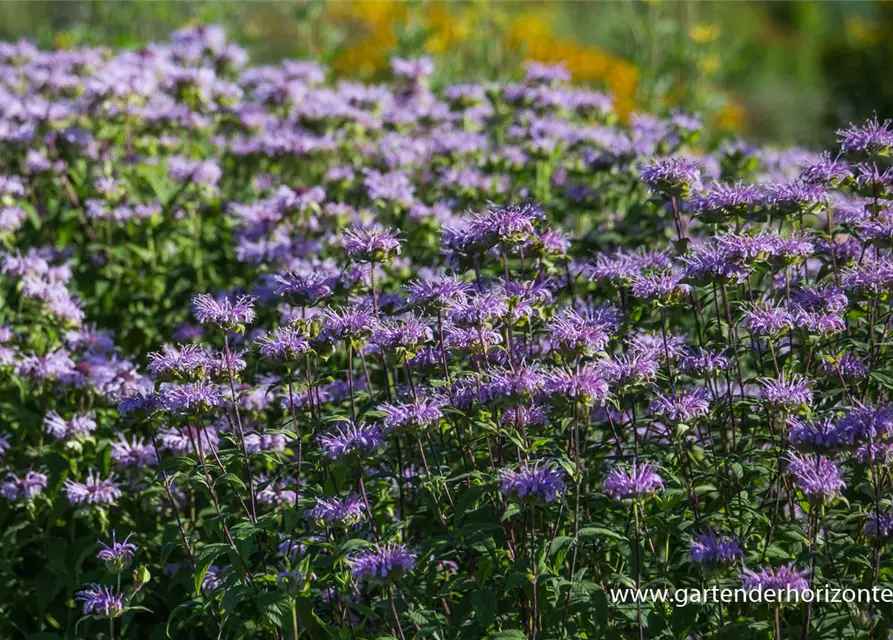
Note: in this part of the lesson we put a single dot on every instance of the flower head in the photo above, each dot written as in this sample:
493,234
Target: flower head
535,484
101,601
351,441
118,555
223,313
93,490
341,512
382,564
633,482
712,549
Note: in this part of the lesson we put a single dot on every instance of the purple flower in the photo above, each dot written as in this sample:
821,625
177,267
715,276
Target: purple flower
393,187
382,564
26,488
879,525
633,482
4,444
351,441
785,580
340,512
872,139
787,395
79,426
349,323
512,224
666,288
514,385
721,202
703,363
305,289
413,417
711,549
796,197
118,555
848,366
579,334
767,321
101,601
684,407
410,334
414,69
631,370
223,313
194,397
540,484
671,177
586,384
815,434
816,476
284,344
132,454
437,292
94,490
826,171
549,74
186,362
370,244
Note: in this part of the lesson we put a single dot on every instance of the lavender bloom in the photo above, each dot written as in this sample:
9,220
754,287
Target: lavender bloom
826,171
539,73
305,289
412,417
223,313
382,564
101,601
339,512
818,434
685,407
393,187
351,442
879,525
872,139
534,484
703,363
24,489
711,549
665,288
93,491
816,476
767,321
579,334
349,323
785,580
133,454
284,344
187,362
671,177
511,224
848,366
408,334
4,444
633,482
787,395
438,292
194,397
721,202
586,385
79,426
371,244
118,555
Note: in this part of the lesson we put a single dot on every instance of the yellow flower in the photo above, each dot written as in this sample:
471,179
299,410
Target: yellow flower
732,117
704,33
861,32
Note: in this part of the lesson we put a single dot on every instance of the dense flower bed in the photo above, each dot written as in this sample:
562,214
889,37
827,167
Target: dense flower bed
286,359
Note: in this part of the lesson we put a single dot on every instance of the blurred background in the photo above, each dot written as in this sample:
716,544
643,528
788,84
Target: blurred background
787,72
